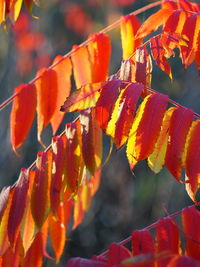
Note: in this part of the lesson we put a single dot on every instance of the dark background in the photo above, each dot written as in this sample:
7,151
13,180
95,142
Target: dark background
125,201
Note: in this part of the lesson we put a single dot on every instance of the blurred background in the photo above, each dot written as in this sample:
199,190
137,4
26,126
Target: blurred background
126,201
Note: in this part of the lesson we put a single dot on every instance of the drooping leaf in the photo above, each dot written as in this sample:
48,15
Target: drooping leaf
4,196
106,101
34,254
40,199
157,158
2,11
175,22
79,262
59,161
192,159
74,159
191,230
180,123
81,66
99,56
57,232
18,206
15,9
129,25
27,227
167,236
22,114
91,140
146,127
117,253
142,242
63,72
47,92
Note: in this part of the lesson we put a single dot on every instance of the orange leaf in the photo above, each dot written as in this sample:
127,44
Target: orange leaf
83,98
2,11
18,205
180,123
129,25
146,127
128,103
22,114
167,236
40,193
153,22
74,160
57,232
184,4
191,222
175,22
63,71
99,55
46,97
91,140
106,101
34,255
81,66
27,228
142,242
192,161
59,151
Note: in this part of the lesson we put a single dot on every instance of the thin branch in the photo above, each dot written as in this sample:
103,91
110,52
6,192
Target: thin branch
105,30
151,226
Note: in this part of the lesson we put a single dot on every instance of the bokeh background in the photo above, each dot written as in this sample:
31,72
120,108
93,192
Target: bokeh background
125,200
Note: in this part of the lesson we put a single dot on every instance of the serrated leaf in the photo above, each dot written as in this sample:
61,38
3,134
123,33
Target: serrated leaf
40,201
180,123
192,159
157,159
146,127
106,101
58,172
22,114
18,205
191,230
91,140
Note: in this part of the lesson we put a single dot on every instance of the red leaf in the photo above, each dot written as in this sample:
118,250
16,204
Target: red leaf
128,103
192,162
191,222
40,193
180,123
22,114
167,236
146,128
106,101
185,4
99,55
129,25
64,72
46,97
74,160
59,151
57,232
142,242
175,22
91,140
18,205
34,255
116,254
